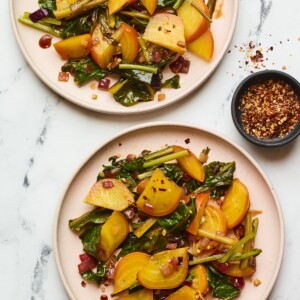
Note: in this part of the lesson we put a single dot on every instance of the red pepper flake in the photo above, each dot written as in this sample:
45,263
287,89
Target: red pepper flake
103,297
187,141
83,284
63,76
269,109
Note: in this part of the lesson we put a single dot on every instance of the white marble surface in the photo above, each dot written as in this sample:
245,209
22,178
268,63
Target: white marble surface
44,138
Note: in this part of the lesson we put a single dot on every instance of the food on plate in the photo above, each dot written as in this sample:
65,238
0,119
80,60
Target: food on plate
158,230
127,45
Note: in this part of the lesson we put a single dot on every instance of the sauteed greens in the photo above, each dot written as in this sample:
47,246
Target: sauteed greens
168,225
135,40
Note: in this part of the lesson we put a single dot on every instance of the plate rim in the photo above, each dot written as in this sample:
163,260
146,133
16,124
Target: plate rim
122,110
148,125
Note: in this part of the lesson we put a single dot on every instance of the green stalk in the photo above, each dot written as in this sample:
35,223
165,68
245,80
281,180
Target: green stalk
177,4
143,46
39,26
218,238
145,175
205,259
163,159
241,242
78,5
135,14
158,153
66,13
211,4
255,227
144,227
248,245
138,67
45,21
218,257
117,86
197,6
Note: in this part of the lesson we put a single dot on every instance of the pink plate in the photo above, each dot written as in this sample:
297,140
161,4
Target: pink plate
154,136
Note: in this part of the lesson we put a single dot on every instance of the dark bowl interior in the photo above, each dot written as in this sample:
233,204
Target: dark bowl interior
236,112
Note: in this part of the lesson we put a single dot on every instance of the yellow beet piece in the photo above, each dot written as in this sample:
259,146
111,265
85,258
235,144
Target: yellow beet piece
166,30
110,193
160,196
193,21
143,294
199,279
215,220
160,273
185,292
127,269
74,47
150,5
116,5
113,233
190,164
102,51
236,203
203,46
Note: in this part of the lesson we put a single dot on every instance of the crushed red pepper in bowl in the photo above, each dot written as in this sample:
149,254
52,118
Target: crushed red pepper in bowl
266,108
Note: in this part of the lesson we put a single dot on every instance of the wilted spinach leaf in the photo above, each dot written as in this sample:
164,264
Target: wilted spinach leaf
221,287
172,82
84,70
96,216
97,276
90,238
81,25
165,3
49,4
132,93
180,218
218,177
149,242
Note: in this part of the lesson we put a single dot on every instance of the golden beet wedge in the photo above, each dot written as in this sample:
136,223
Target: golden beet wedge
74,47
166,30
113,233
160,273
194,22
190,164
127,269
160,196
110,193
203,46
236,203
183,293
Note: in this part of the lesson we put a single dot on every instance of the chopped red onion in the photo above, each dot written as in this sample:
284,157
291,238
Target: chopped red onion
88,264
107,184
180,65
84,257
104,84
156,56
39,14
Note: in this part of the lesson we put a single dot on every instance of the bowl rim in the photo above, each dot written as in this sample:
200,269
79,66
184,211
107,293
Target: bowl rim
235,113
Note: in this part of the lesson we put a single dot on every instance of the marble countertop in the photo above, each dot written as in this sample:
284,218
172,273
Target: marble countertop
44,138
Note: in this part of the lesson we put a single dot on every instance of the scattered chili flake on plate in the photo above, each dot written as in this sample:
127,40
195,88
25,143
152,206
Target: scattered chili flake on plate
269,109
